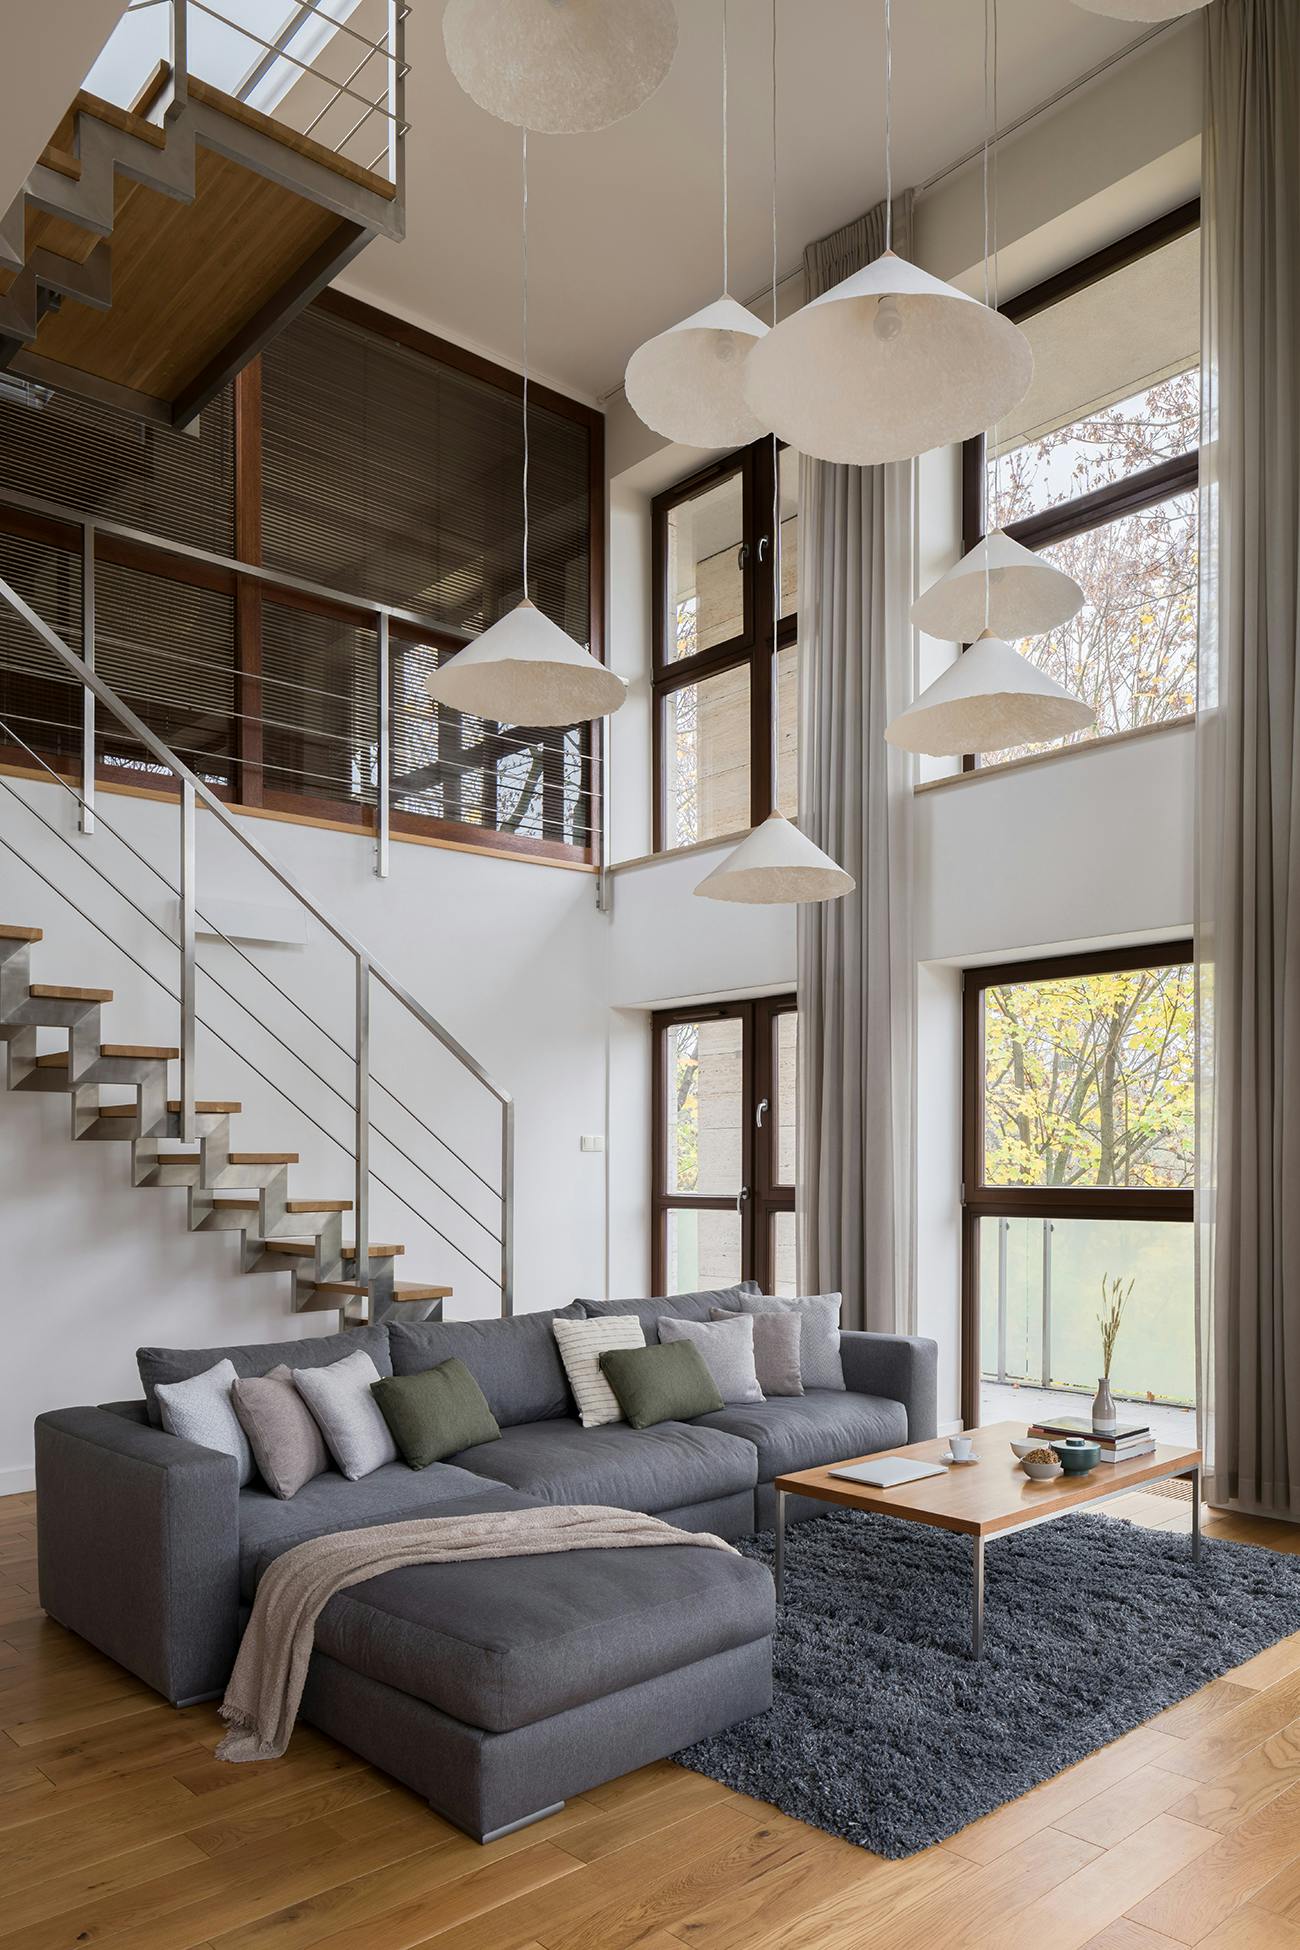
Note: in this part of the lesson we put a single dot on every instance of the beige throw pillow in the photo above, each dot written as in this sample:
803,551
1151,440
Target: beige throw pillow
287,1445
581,1344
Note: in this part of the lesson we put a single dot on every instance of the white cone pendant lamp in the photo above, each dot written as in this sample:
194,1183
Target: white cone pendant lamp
524,669
991,699
1142,9
561,67
886,365
688,383
1001,586
777,863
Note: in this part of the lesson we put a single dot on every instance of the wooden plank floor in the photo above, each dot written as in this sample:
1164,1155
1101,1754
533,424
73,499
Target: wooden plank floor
119,1830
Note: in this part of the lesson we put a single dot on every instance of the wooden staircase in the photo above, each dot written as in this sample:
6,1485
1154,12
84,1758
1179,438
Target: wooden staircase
226,1191
145,261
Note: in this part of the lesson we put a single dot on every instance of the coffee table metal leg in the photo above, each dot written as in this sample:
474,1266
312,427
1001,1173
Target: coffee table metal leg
1196,1515
780,1545
977,1610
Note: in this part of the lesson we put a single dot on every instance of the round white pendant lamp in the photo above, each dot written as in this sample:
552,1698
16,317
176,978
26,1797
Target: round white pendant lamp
1001,586
775,864
688,382
524,669
560,67
991,699
1141,9
887,364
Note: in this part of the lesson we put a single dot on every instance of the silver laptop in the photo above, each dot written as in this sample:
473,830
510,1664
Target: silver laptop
888,1472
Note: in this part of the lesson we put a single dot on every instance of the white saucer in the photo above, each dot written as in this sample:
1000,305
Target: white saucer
959,1461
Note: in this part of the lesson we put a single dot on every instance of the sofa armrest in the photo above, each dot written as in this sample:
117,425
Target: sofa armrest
903,1368
138,1547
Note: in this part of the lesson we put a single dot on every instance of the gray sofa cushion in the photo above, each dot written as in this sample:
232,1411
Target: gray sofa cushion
268,1524
502,1643
679,1306
515,1362
180,1363
804,1431
673,1464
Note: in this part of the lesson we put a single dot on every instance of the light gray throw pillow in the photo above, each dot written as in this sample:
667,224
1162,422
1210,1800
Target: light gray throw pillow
820,1365
200,1410
355,1431
287,1445
726,1347
776,1350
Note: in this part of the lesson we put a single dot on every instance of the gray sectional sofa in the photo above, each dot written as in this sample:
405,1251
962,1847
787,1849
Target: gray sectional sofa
493,1688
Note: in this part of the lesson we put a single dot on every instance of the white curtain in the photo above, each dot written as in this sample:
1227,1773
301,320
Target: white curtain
856,968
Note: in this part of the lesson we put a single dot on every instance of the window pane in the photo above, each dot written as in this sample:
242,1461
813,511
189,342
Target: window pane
789,470
787,730
703,1250
706,758
706,584
785,1279
1089,1081
1159,423
704,1081
786,1073
1131,650
1040,1292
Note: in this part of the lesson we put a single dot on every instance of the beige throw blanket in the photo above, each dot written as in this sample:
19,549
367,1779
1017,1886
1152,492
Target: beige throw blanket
265,1689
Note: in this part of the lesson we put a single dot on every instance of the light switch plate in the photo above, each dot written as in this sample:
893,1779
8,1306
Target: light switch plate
596,1143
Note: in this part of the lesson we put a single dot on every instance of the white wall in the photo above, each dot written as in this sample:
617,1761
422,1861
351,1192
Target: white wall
511,957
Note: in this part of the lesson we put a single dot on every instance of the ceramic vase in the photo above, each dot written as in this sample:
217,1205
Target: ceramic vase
1103,1409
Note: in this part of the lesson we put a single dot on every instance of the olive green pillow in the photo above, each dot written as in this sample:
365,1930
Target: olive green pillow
668,1383
436,1413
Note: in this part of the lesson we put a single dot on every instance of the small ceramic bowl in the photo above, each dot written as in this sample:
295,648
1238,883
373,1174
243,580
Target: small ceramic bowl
1077,1454
1041,1472
1026,1447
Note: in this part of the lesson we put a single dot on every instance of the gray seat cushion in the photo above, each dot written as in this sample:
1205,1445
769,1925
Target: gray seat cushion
664,1468
317,1351
503,1642
515,1362
804,1431
679,1306
392,1494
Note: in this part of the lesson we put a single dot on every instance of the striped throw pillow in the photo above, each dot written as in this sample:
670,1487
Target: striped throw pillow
581,1344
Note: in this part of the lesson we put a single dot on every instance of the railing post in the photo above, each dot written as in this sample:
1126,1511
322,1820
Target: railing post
361,1195
87,695
188,864
507,1209
178,53
382,756
396,39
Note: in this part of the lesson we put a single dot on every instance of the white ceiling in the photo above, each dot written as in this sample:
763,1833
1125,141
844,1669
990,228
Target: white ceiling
625,224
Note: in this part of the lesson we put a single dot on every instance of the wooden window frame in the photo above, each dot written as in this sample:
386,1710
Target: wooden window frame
761,1194
1135,492
753,647
979,1200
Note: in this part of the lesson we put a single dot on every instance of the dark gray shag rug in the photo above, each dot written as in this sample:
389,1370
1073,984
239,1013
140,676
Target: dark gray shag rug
883,1729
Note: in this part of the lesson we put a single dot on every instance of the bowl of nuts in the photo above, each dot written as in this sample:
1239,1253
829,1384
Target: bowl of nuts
1041,1465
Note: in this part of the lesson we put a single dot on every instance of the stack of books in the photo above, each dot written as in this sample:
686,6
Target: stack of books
1128,1440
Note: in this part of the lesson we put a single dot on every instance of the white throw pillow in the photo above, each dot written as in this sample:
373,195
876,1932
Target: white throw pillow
727,1349
581,1344
200,1410
350,1418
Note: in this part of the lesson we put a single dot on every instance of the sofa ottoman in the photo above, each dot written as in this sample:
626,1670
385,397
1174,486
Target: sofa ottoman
498,1687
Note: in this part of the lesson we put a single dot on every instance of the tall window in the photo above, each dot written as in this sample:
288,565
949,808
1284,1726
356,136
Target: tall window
1077,1169
1096,469
723,1137
725,749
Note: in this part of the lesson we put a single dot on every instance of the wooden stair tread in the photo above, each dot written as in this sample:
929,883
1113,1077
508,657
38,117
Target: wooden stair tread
351,1289
413,1290
263,1158
242,1203
201,1109
11,933
143,1051
318,1205
51,992
302,145
306,1249
219,1107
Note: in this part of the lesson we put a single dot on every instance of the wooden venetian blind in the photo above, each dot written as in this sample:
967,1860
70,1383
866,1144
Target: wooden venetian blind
392,476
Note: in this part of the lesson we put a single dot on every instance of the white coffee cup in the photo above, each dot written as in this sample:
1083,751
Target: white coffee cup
962,1447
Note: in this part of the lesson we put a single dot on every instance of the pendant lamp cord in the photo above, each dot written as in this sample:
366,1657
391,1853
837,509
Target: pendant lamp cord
889,125
991,247
776,471
525,231
726,278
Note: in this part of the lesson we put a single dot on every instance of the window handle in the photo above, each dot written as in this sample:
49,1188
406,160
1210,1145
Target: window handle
741,1196
742,556
762,546
758,1114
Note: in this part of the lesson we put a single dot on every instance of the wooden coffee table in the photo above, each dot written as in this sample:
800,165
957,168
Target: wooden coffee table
984,1498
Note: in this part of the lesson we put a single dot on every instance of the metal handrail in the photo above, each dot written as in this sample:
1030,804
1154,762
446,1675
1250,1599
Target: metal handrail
196,792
